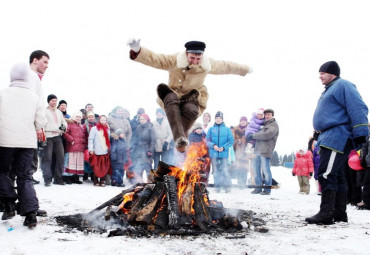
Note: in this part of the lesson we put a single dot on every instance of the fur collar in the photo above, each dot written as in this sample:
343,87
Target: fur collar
182,62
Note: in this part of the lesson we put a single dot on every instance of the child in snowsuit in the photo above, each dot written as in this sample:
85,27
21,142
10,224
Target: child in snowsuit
303,169
255,125
88,124
118,157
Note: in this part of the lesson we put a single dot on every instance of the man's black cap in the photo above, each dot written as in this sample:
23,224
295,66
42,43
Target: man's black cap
195,47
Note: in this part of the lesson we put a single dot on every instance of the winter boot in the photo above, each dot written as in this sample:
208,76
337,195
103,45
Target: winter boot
172,109
163,90
76,179
9,210
67,179
340,207
31,220
326,214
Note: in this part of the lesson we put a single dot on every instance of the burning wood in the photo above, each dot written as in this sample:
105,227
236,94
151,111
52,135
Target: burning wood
174,202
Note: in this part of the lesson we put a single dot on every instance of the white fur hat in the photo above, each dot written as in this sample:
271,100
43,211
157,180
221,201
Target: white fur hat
20,72
259,111
75,114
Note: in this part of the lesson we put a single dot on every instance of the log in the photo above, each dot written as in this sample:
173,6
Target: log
117,200
140,202
147,213
202,214
172,200
186,200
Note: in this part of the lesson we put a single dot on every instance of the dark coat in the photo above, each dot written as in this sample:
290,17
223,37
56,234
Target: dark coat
142,142
77,134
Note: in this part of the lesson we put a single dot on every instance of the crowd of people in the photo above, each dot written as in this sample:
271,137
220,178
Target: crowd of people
107,149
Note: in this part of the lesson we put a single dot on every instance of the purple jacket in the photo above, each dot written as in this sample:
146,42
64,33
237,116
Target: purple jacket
254,125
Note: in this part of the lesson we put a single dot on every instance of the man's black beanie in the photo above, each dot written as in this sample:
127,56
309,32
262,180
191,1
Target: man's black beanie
331,67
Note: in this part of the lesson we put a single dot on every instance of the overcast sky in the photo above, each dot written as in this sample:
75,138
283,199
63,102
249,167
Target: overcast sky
284,41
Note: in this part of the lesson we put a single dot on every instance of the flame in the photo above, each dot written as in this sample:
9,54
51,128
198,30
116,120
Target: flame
126,198
194,164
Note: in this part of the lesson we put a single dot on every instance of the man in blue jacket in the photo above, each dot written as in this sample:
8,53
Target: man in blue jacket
340,122
219,140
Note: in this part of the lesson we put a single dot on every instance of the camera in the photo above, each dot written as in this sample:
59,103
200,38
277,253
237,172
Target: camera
62,128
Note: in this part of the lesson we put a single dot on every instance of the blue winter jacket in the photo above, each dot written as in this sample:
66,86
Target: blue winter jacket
341,114
118,150
221,136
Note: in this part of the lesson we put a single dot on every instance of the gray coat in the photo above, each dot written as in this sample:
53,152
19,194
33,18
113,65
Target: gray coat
266,138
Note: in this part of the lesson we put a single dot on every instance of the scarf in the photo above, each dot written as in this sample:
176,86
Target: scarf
159,121
99,127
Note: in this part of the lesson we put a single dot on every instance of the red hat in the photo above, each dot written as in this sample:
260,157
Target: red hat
145,116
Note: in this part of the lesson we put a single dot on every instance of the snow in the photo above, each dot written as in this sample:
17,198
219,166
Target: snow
284,211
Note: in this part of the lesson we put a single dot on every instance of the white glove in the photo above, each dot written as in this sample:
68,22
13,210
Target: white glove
134,44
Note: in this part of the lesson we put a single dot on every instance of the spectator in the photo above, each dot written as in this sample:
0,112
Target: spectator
62,106
265,144
118,157
254,126
163,138
142,148
197,143
219,140
76,143
54,130
99,146
340,120
303,169
365,159
88,171
135,120
206,122
241,165
22,115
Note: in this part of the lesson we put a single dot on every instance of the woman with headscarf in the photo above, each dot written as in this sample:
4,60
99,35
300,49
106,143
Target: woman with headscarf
99,146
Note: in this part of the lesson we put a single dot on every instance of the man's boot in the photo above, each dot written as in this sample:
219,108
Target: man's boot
340,207
172,109
30,220
326,214
189,108
9,210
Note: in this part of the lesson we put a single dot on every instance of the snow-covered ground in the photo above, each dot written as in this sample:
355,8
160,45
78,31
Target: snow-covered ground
284,212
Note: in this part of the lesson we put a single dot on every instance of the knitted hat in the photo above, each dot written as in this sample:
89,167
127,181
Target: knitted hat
195,47
219,114
331,67
269,111
140,111
119,131
160,110
260,111
197,125
62,102
243,118
19,72
51,96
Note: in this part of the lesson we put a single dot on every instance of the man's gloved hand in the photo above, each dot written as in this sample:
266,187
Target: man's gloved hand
359,140
311,174
249,137
316,135
293,174
134,44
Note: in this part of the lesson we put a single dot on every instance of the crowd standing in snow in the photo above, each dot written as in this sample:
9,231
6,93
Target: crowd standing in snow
107,150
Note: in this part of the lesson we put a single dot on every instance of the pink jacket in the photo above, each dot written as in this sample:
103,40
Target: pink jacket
303,165
77,134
